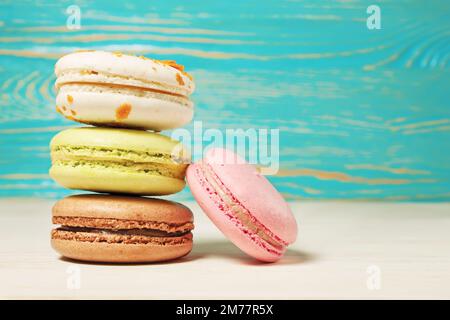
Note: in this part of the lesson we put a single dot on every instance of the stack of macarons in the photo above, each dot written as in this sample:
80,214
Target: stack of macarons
125,98
128,100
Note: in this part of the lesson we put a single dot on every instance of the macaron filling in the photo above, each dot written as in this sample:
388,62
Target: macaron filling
236,212
101,78
121,231
115,237
128,232
122,224
113,153
122,160
75,87
149,168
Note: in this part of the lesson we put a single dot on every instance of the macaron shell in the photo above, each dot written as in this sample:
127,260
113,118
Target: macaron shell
126,66
119,253
228,227
122,110
254,192
122,207
103,179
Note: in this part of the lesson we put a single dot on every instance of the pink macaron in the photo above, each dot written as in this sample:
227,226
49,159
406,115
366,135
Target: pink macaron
243,204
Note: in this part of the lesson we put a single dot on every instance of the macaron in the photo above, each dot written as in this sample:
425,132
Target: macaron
114,89
243,204
118,161
121,229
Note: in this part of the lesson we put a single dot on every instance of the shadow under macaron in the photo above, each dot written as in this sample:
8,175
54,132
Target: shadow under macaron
210,249
184,259
228,250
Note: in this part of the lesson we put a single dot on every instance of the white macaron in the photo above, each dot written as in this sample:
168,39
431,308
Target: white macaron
114,89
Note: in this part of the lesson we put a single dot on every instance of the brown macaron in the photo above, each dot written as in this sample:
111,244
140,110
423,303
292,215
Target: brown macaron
120,229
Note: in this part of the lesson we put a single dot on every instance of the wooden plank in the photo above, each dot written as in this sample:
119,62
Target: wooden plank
362,114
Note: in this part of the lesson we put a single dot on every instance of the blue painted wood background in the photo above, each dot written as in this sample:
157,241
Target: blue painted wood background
363,114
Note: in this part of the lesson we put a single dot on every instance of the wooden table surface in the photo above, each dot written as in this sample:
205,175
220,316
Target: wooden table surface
345,250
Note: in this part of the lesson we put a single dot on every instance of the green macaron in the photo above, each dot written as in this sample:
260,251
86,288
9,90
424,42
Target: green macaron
118,161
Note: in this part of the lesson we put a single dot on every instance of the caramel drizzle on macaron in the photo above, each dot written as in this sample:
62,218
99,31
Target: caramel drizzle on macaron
170,63
175,65
123,111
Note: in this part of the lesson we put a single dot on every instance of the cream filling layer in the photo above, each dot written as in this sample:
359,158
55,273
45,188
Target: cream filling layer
127,232
81,75
93,87
121,160
148,168
114,154
118,238
121,224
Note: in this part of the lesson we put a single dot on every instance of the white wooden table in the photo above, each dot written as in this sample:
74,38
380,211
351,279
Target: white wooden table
345,250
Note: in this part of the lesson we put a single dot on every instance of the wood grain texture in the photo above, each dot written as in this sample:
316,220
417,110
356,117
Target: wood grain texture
363,114
341,247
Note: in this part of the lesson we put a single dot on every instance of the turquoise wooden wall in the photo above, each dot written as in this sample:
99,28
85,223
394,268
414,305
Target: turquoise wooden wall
363,114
